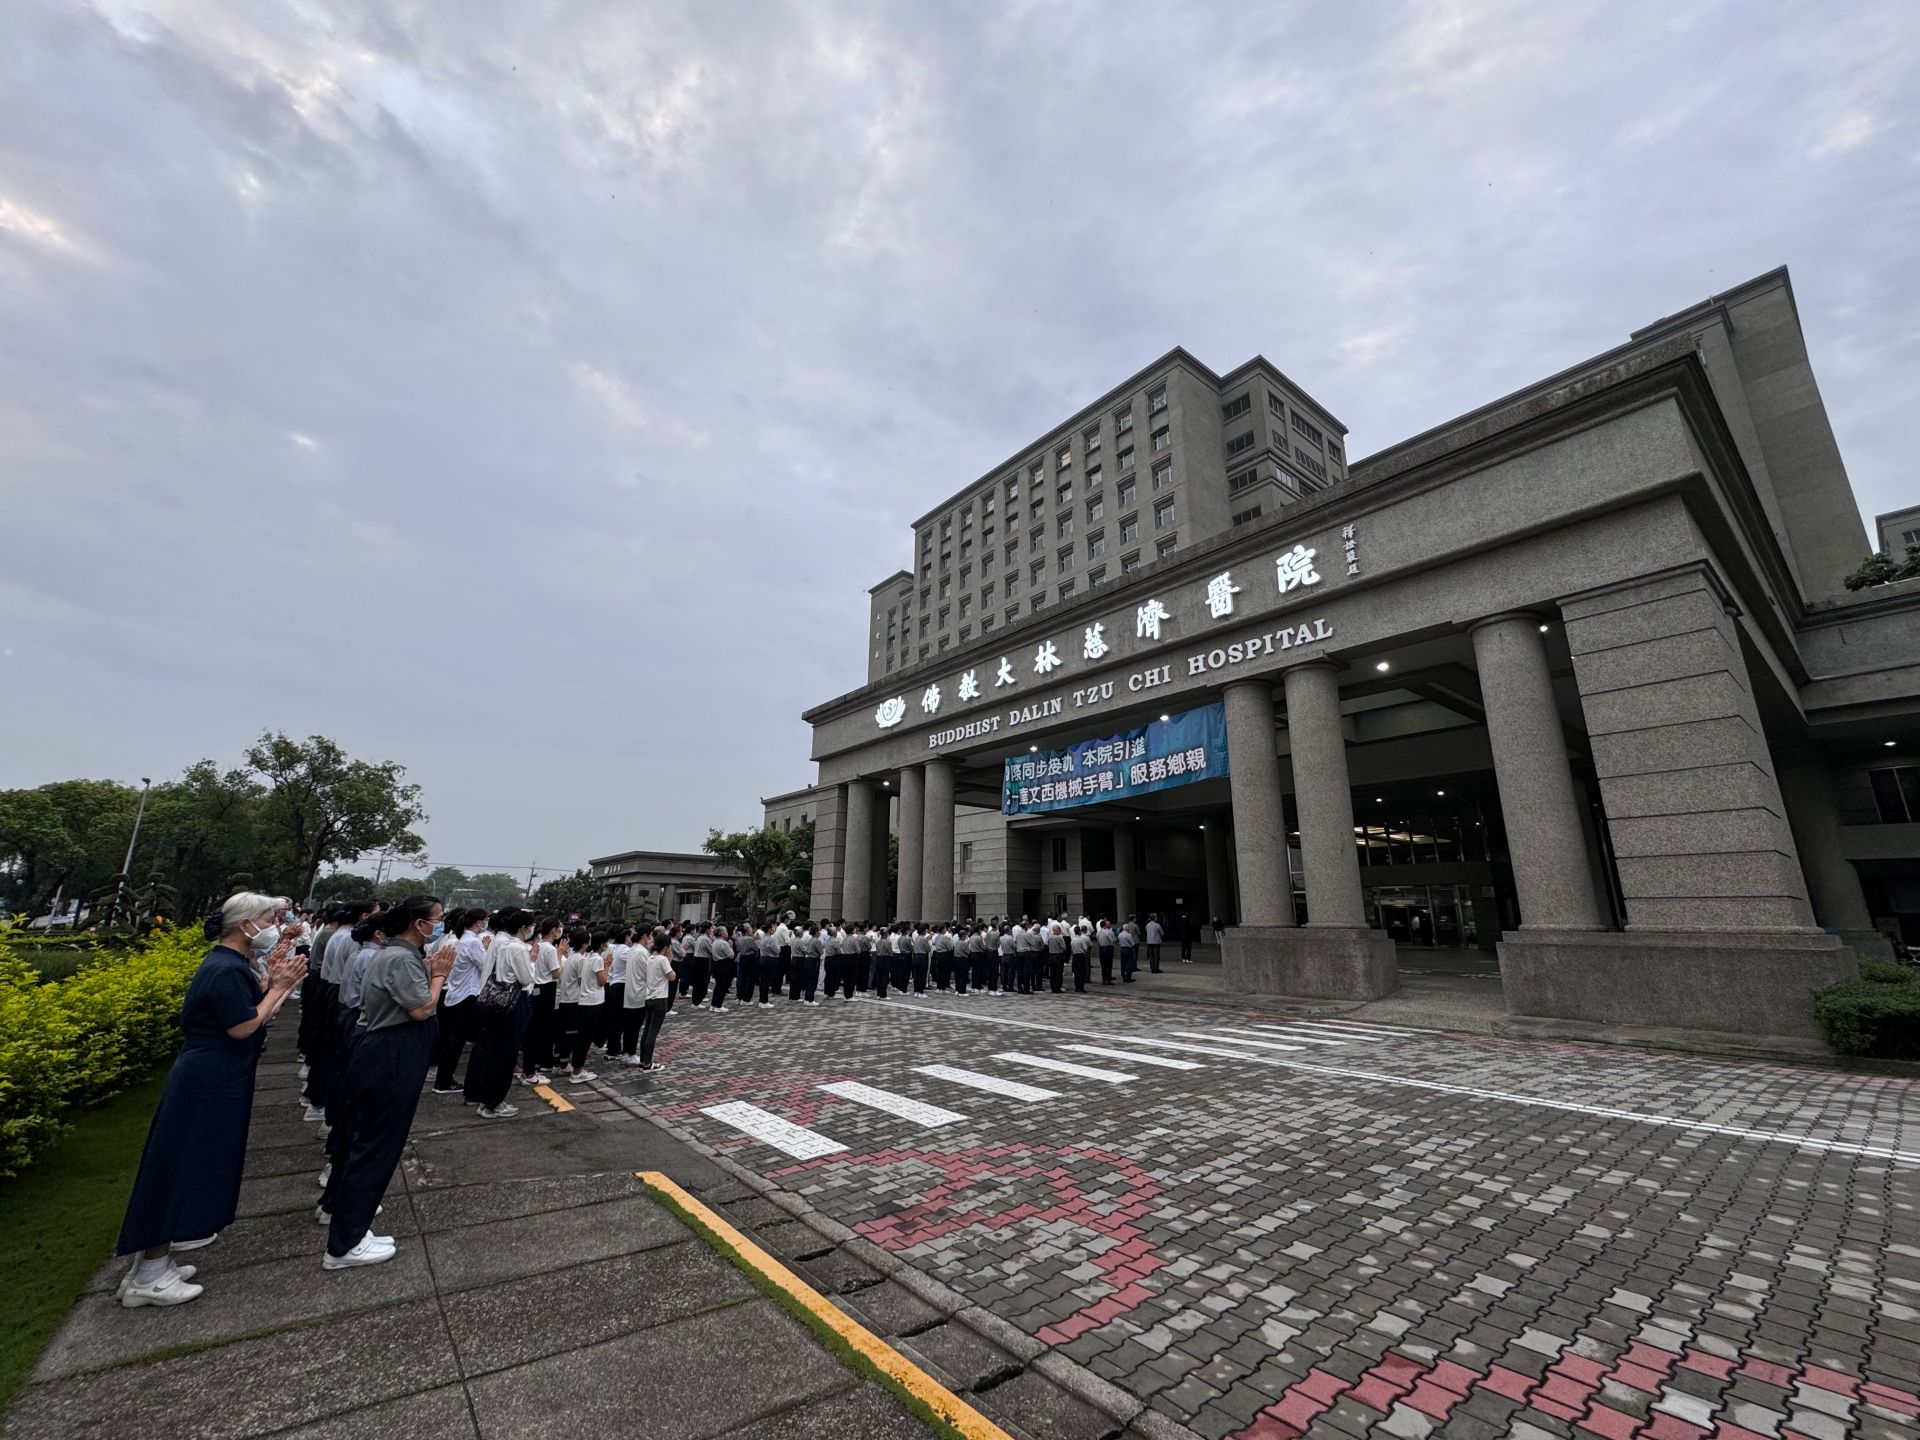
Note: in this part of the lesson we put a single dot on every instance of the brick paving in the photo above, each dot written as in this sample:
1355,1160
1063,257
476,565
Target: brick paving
1400,1234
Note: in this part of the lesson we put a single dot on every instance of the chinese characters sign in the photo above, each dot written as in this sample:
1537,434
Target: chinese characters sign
1158,756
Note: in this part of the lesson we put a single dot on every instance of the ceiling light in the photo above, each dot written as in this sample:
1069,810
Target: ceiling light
1439,792
1383,665
1543,629
1379,799
1889,743
1203,827
1035,749
1165,718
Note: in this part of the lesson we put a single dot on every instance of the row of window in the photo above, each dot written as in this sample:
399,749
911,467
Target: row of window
1124,494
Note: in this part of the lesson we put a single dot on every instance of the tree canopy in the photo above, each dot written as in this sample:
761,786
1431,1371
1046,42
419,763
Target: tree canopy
769,860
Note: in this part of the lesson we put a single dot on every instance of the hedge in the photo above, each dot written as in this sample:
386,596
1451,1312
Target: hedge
1871,1016
72,1042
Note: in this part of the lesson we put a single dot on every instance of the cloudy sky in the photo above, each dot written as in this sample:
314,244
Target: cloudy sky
529,392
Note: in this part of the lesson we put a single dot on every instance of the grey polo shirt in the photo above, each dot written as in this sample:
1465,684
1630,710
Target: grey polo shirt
395,984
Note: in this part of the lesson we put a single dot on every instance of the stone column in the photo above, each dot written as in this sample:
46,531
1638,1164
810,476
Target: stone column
856,893
1537,794
913,782
1325,797
1124,899
882,832
1833,885
936,846
1259,817
1219,882
669,904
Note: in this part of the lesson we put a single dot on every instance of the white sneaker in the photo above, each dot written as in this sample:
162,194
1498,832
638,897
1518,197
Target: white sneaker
314,1112
629,1059
326,1174
498,1112
367,1252
200,1244
582,1078
184,1272
766,1004
538,1079
170,1289
809,1002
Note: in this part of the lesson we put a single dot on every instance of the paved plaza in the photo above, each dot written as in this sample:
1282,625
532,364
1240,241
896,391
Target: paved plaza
1266,1225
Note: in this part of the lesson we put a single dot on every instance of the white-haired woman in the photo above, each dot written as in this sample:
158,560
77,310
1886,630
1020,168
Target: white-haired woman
188,1187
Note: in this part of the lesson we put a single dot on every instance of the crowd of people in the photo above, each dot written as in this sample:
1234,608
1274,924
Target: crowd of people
392,994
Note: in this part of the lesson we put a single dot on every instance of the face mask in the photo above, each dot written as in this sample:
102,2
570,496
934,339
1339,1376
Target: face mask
439,929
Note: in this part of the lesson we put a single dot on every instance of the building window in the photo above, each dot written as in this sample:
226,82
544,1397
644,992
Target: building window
986,567
1163,518
1156,399
966,550
1090,440
926,596
945,641
1059,857
1130,563
946,613
925,650
1036,572
966,606
1163,475
1237,483
1063,457
1240,443
1093,477
1064,495
1241,517
923,627
1096,508
1310,460
1236,407
1160,552
986,623
1122,421
1066,589
966,633
1013,491
946,588
966,576
1013,586
1013,553
1034,473
966,852
1064,527
1039,504
1036,539
1122,497
1161,439
1097,575
1129,529
1013,613
986,506
1126,460
946,530
1096,544
1305,427
1273,404
1065,557
1896,793
1038,602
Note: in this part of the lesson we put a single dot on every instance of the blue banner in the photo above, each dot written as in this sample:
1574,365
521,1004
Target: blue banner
1158,756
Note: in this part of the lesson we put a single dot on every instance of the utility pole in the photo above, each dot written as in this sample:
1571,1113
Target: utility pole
126,865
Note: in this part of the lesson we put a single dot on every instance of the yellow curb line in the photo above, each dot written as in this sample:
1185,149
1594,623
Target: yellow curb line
910,1377
554,1098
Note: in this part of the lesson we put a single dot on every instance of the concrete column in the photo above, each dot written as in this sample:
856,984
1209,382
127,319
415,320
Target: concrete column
1833,885
936,846
1325,797
1219,880
1259,818
913,793
882,832
856,892
669,903
1123,892
1537,794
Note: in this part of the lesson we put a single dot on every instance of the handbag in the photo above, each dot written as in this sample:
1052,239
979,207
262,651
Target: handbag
499,997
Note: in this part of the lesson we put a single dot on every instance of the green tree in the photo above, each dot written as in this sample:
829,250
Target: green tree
342,885
200,830
322,807
443,880
71,834
492,889
576,894
1878,568
800,869
763,856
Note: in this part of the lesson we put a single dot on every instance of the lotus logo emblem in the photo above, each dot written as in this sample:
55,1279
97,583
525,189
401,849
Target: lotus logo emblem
891,712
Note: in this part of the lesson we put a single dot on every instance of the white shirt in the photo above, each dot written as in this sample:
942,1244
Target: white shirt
512,961
568,992
546,963
592,992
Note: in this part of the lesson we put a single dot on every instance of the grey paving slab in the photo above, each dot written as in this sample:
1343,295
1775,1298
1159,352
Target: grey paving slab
565,1309
889,1309
286,1236
446,1208
868,1413
249,1387
957,1357
246,1301
1040,1407
682,1381
441,1414
533,1244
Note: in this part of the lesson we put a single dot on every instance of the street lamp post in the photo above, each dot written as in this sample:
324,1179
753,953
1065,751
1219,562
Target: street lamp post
126,865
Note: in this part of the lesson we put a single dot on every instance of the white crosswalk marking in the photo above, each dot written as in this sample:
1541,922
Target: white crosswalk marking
1012,1089
1222,1039
771,1129
1067,1067
1163,1061
1350,1027
1295,1032
907,1108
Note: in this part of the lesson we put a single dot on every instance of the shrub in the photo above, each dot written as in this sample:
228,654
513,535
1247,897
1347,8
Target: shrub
1871,1017
75,1041
1887,972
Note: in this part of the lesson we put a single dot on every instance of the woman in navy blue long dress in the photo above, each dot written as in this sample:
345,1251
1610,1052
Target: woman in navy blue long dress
189,1182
